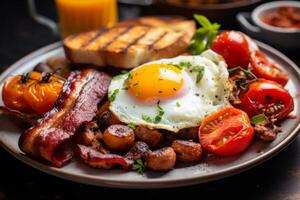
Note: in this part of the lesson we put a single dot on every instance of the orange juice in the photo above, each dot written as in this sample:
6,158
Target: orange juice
76,16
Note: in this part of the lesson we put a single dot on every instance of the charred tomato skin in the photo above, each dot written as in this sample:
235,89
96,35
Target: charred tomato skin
227,132
265,68
264,96
234,48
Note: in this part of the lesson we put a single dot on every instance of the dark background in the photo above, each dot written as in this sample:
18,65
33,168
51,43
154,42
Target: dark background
278,178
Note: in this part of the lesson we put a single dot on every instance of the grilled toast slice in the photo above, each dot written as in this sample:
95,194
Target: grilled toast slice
130,43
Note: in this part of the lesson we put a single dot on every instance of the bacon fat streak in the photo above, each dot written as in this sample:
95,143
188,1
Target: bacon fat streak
77,104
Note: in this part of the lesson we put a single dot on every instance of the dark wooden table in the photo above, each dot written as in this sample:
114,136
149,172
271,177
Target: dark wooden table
278,178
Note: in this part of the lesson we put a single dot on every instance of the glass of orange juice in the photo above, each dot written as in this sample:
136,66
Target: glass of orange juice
76,16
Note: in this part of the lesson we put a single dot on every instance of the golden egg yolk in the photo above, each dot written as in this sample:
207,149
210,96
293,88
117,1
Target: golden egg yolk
154,82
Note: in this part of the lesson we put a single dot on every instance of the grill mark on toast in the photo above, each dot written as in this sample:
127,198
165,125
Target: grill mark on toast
150,46
177,40
125,49
116,37
92,39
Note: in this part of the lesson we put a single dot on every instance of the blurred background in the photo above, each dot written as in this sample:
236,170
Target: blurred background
21,34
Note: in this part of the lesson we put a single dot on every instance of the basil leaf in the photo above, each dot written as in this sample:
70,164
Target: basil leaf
204,36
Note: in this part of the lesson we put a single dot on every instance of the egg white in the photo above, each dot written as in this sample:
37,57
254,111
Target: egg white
197,101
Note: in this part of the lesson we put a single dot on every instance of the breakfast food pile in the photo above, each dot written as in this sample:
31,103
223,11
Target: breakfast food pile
148,93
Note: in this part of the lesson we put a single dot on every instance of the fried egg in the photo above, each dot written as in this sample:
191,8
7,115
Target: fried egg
171,94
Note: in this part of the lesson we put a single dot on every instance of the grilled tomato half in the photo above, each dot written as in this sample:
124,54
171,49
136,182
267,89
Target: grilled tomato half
227,132
267,97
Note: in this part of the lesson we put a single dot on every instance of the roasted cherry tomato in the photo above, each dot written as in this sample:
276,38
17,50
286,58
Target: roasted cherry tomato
264,68
14,88
227,132
267,97
42,94
234,47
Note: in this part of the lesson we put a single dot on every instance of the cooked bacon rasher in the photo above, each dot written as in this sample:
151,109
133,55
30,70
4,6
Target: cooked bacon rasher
76,105
99,160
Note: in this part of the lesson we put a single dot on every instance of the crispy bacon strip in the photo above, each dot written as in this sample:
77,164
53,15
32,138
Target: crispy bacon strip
100,160
29,118
77,104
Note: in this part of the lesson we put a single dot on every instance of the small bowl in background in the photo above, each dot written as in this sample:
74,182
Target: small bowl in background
253,25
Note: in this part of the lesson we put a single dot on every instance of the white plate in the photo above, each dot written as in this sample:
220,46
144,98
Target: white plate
211,168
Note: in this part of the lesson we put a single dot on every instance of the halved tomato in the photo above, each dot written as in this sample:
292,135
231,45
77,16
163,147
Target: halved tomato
265,68
267,97
227,132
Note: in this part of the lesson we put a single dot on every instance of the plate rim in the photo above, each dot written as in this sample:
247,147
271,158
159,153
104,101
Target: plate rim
150,183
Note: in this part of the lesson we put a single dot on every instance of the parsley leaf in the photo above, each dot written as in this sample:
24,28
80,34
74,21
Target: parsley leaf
178,104
127,83
158,117
200,71
129,77
258,118
139,166
243,84
160,112
204,36
147,118
132,126
112,96
182,65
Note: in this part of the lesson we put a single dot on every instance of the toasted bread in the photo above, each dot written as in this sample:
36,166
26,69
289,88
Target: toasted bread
131,43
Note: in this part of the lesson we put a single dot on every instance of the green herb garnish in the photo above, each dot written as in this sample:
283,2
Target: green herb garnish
126,83
112,96
243,84
160,113
248,73
178,104
124,71
158,117
200,71
182,65
258,118
139,166
132,126
118,77
147,118
204,36
129,77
